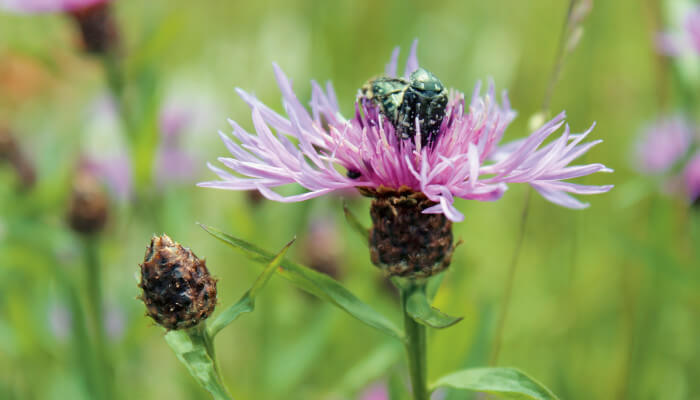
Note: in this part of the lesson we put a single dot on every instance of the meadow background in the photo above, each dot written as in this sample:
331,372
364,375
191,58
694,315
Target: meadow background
605,301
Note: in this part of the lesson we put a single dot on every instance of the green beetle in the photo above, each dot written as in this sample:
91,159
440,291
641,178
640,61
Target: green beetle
402,101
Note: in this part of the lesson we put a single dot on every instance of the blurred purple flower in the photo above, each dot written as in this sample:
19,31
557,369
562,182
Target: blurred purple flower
378,391
323,246
687,40
47,6
464,160
105,154
114,171
691,177
663,143
174,164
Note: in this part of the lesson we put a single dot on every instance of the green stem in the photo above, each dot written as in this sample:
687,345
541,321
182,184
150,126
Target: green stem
415,346
216,387
498,337
115,81
95,313
81,336
559,58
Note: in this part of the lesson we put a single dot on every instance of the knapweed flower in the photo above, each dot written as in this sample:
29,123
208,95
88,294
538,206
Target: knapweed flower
412,146
93,17
687,40
663,144
178,290
691,178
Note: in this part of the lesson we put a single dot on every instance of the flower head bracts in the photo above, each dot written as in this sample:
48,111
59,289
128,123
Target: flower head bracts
464,160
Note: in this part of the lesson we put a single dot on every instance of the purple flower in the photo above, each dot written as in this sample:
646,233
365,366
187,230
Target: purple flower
691,176
663,143
47,6
174,164
463,158
378,391
688,40
105,153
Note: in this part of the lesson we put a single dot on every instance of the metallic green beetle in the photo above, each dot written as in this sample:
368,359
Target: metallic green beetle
402,101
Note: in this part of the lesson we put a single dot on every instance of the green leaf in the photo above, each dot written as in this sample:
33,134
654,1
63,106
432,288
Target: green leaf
316,283
191,348
355,223
422,312
247,302
433,285
508,383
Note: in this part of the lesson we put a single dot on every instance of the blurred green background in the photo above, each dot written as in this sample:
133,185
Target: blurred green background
605,301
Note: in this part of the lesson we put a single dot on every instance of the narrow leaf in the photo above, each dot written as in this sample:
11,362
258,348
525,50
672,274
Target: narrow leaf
247,302
509,383
355,223
316,283
434,282
191,349
433,285
422,312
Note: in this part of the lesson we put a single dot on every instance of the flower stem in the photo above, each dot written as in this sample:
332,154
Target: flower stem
95,314
216,387
559,58
498,337
415,346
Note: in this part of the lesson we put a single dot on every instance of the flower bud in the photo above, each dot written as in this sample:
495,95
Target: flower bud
405,242
97,27
87,212
178,291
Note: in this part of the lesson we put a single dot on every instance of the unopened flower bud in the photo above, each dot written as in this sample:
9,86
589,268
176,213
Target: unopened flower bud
178,291
405,242
87,212
97,27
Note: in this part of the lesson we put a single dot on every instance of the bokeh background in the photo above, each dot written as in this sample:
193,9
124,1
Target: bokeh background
605,301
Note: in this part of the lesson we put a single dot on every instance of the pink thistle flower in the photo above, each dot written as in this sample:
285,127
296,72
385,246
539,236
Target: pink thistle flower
691,177
663,144
48,6
464,158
